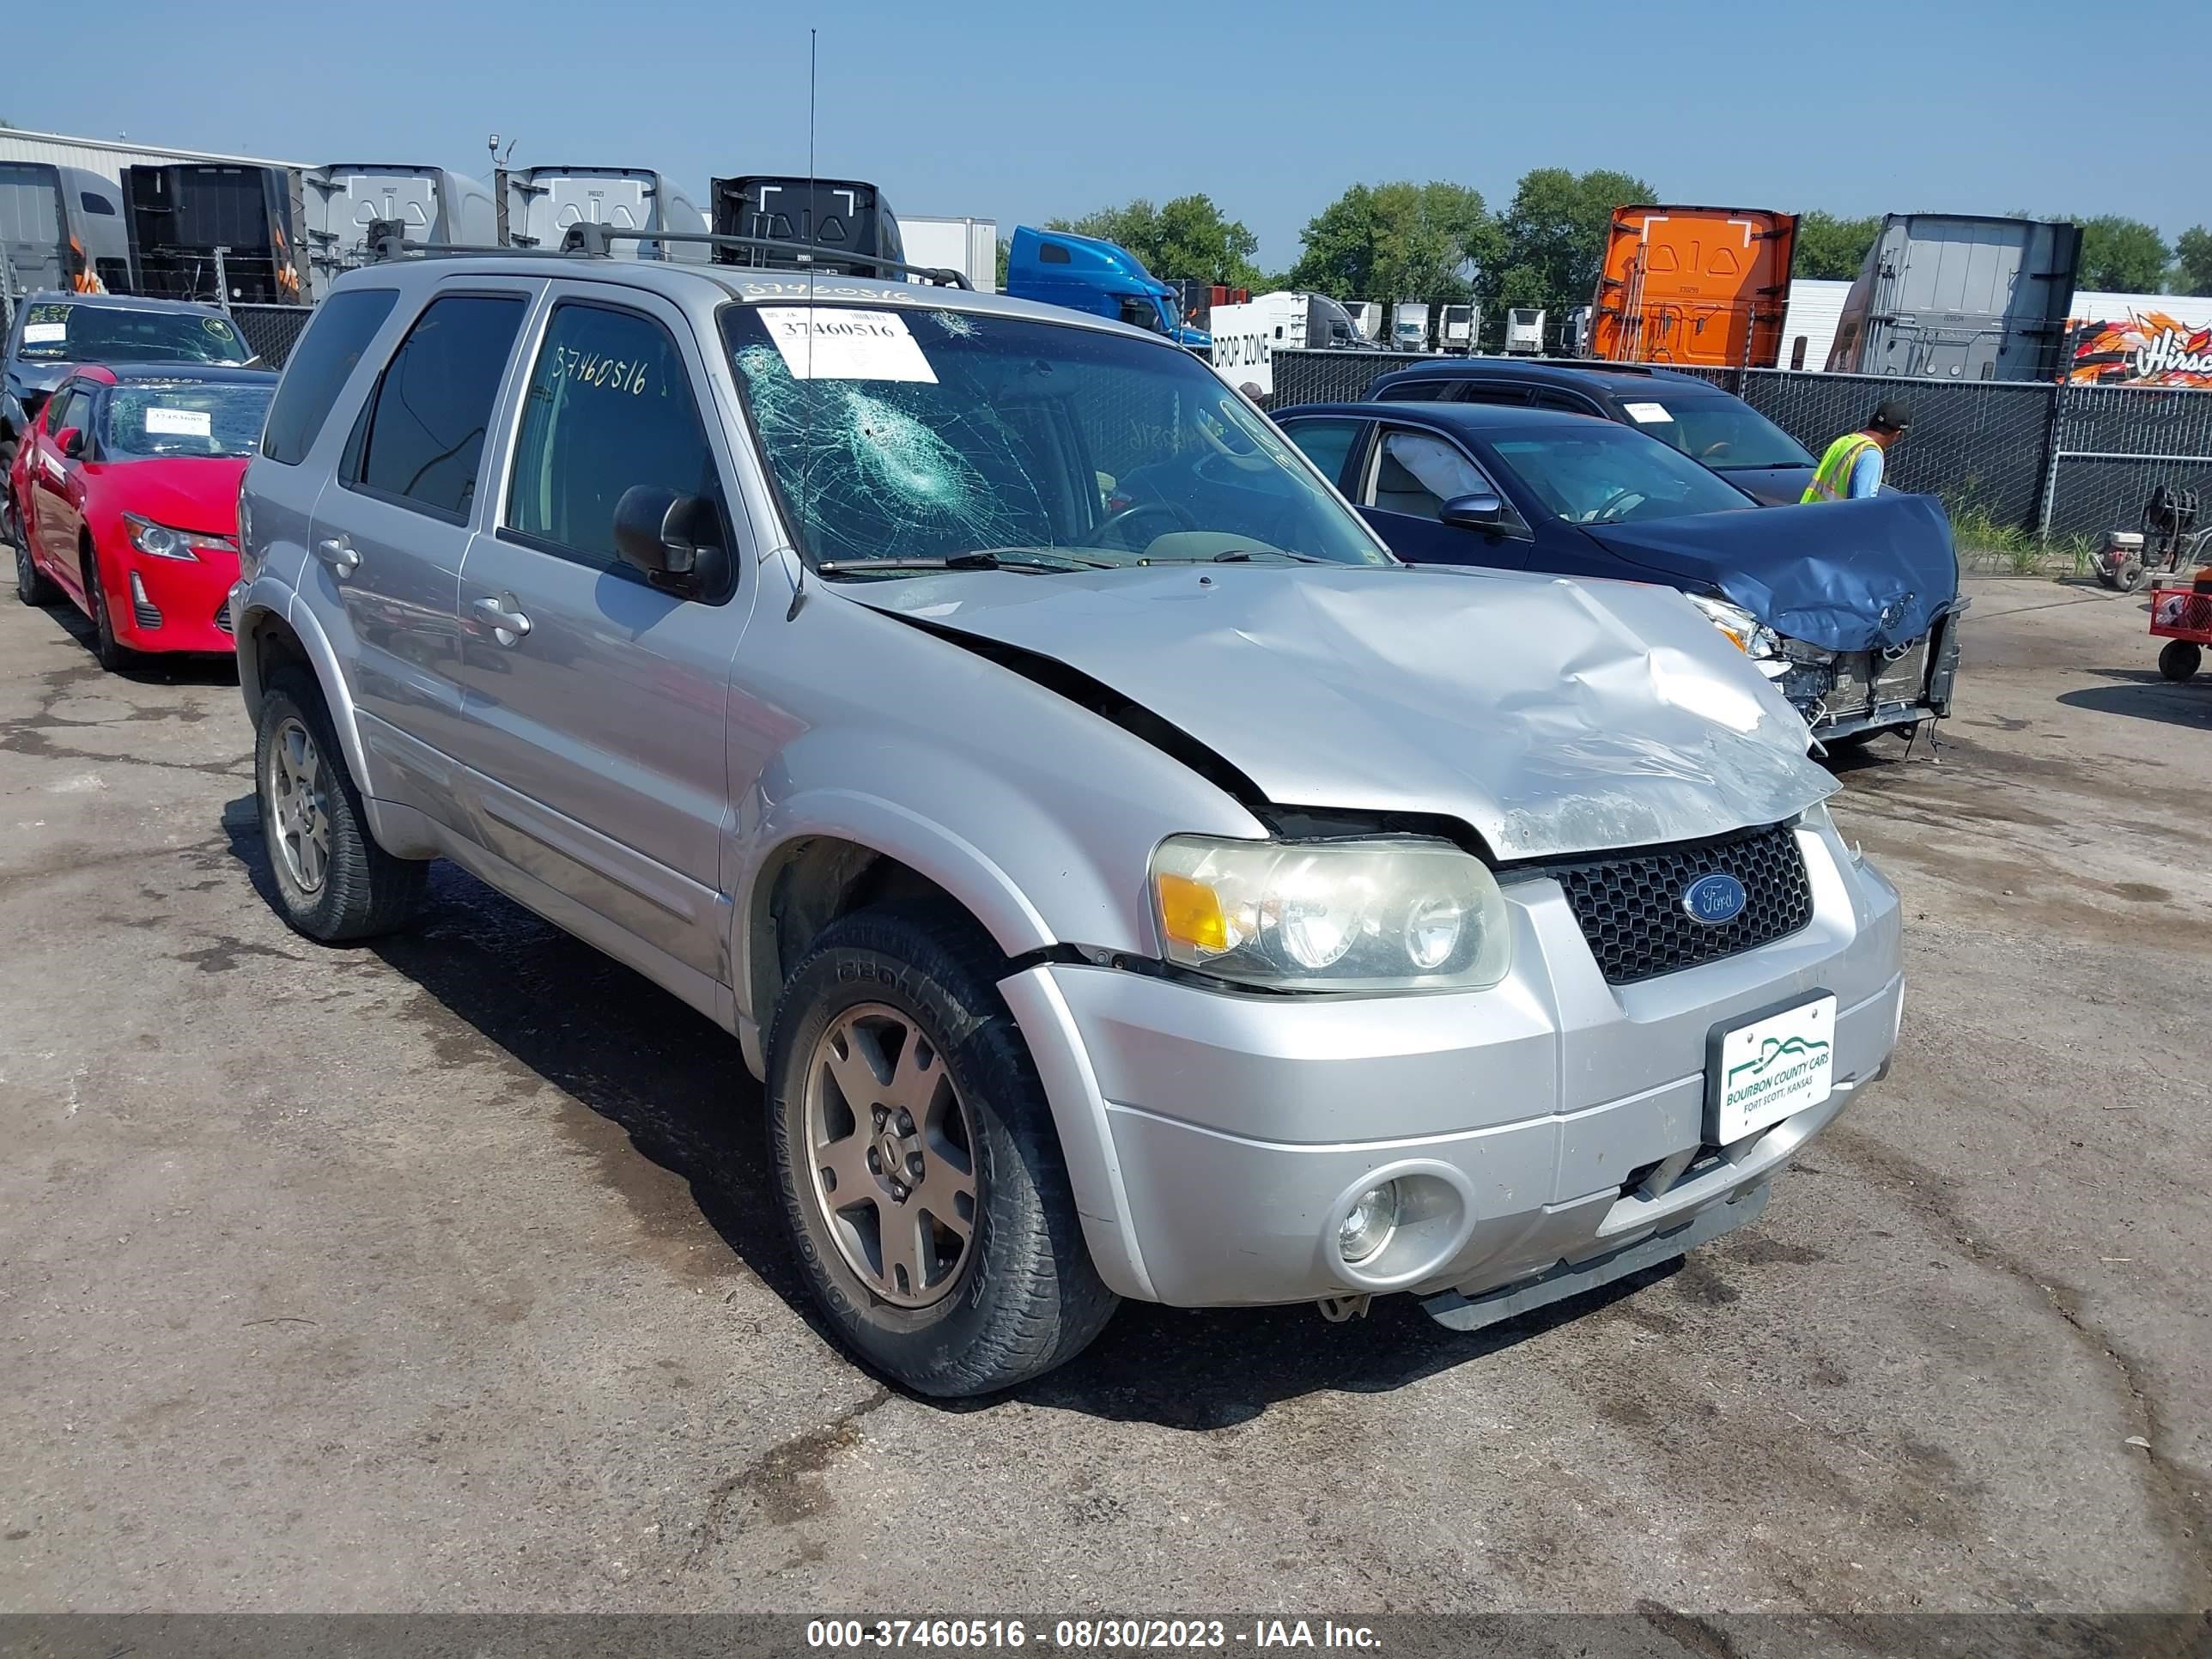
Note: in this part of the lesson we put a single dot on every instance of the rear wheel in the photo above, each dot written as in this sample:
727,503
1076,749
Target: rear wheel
112,654
2180,659
921,1177
333,882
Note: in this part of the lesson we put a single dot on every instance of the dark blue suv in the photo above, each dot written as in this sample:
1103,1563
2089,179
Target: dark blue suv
1707,424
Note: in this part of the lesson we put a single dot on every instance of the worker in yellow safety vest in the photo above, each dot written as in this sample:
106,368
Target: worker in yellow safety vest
1852,467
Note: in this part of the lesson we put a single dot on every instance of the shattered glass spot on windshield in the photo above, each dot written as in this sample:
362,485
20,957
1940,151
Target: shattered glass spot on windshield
883,480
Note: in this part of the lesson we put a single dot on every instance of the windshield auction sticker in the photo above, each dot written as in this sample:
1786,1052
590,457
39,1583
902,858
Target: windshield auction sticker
1648,413
834,342
180,422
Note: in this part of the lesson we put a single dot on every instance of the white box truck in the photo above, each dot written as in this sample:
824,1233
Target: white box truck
1524,331
1409,326
1456,325
1246,336
1367,317
970,246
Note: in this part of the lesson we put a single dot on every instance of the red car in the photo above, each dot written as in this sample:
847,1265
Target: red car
126,491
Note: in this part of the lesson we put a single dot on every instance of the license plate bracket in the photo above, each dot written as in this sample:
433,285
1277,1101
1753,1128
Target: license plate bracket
1769,1065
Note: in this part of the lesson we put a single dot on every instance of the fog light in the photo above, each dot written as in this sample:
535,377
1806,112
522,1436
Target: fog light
1373,1218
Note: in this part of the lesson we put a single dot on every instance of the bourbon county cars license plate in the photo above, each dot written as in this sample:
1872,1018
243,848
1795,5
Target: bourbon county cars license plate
1765,1071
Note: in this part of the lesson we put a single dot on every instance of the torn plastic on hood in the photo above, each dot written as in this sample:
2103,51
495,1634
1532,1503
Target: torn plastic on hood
1843,575
1550,716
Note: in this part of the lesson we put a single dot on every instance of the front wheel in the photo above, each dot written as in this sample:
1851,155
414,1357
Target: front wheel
2180,659
333,881
921,1177
112,654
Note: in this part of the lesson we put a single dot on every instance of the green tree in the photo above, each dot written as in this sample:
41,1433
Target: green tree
1005,250
1552,239
1396,242
1832,249
2192,261
1188,237
2122,256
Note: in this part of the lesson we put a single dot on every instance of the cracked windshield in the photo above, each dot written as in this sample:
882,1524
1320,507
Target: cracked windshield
926,436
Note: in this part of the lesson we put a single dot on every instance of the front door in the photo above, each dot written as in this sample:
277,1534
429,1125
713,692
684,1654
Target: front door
596,700
54,516
1410,476
387,542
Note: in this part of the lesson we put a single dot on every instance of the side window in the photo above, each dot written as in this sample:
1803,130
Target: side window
339,332
426,426
68,410
1326,443
1488,392
609,406
1053,253
1414,391
1417,474
98,204
1567,403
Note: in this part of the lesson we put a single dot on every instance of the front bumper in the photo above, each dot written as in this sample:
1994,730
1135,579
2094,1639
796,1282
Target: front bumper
1871,691
1215,1141
170,605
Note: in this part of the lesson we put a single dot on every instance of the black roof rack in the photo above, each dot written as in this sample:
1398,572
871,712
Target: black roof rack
387,241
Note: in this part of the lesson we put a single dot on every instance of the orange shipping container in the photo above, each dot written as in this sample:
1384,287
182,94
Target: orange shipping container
1693,285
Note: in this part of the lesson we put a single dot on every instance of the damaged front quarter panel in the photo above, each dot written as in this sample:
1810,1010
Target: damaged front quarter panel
1550,716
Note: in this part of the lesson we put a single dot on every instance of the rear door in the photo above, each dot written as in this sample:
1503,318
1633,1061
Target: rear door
388,537
595,701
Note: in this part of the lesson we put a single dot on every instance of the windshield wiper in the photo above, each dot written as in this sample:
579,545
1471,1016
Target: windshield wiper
1246,554
982,558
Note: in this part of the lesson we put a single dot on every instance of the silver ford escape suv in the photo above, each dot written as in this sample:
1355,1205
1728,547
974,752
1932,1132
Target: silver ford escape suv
1128,880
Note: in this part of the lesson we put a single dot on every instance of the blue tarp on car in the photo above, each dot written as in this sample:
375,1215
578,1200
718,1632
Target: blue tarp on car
1844,575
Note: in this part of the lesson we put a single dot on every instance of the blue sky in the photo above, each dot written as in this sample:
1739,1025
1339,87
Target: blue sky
1019,111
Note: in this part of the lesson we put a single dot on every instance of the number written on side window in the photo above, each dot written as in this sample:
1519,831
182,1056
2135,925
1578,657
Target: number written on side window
609,406
426,434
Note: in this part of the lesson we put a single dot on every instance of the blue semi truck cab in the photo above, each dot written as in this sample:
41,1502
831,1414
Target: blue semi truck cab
1084,273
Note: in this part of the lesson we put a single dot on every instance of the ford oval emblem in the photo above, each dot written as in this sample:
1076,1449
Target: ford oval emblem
1714,899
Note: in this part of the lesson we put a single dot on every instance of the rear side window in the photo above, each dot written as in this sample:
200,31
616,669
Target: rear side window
319,369
426,427
609,406
1326,444
1414,391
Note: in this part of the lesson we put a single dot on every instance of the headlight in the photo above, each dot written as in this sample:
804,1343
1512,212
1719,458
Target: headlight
1339,916
163,542
1749,635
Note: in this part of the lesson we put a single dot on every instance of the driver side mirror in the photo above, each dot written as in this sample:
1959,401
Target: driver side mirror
1484,512
676,540
71,441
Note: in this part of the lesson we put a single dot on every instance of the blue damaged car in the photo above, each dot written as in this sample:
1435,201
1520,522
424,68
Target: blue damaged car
1850,608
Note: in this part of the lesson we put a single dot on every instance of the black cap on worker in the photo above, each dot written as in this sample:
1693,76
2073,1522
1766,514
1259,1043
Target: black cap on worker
1893,416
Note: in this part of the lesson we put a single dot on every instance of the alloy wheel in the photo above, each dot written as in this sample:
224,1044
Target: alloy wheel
891,1151
294,782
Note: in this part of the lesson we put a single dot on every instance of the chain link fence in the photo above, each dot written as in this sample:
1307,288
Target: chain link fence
2058,461
271,330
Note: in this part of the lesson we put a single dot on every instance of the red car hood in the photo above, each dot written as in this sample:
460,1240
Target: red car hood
183,493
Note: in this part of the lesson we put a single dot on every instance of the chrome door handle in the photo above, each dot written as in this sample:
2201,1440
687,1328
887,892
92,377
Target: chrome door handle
508,625
338,553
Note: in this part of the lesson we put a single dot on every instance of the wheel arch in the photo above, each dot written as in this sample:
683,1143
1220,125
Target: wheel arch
274,634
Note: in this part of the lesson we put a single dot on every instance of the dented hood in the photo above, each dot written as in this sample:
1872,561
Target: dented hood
1853,575
1550,716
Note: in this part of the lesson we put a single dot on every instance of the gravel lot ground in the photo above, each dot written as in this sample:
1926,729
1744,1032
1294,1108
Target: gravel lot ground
442,1275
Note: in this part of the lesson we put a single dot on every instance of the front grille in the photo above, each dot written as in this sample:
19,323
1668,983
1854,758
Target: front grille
1630,906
